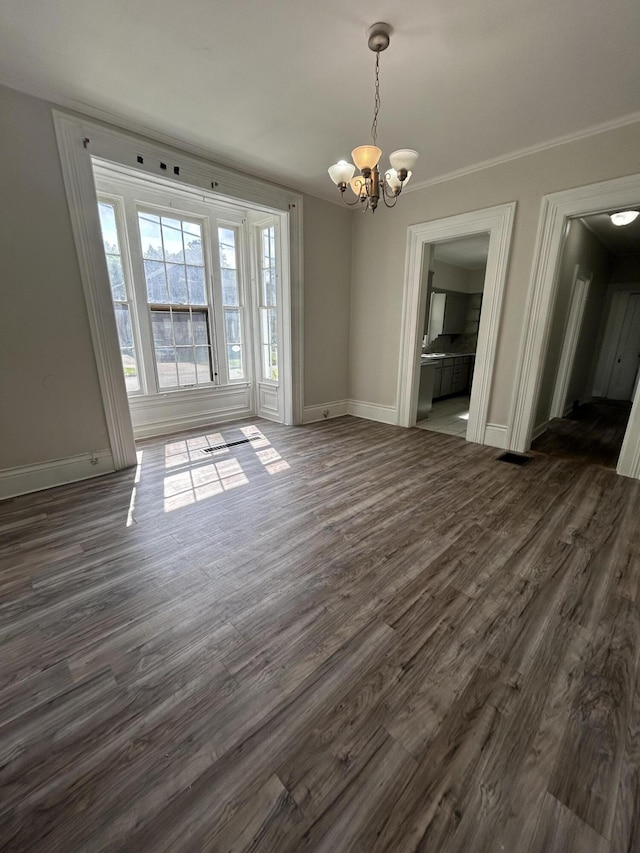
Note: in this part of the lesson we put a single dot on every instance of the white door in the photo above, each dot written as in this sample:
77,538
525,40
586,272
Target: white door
627,360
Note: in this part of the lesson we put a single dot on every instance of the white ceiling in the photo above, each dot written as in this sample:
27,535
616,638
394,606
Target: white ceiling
285,88
619,239
467,252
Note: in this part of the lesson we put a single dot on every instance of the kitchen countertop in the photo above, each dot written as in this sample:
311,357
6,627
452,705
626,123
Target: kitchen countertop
429,358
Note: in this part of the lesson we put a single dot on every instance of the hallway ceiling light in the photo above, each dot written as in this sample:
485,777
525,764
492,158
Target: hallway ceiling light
624,217
369,185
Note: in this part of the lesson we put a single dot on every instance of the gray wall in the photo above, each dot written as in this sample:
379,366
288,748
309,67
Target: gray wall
327,263
380,245
50,403
51,406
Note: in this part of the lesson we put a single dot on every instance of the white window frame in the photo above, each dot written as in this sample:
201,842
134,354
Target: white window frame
125,256
132,199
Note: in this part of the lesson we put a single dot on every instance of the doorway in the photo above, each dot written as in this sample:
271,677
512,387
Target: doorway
497,223
455,271
558,211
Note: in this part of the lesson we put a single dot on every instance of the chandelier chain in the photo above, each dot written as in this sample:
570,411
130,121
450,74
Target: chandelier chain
376,101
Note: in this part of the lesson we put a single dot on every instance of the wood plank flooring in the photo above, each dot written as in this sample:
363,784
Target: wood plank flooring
346,636
593,433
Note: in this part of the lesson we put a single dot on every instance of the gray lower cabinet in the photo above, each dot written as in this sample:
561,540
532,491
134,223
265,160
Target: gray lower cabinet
437,382
453,376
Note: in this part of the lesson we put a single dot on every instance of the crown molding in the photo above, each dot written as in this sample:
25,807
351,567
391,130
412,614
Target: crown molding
153,133
593,130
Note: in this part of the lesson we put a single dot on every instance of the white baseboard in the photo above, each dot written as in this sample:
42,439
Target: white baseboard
373,412
539,430
59,472
495,435
568,408
323,411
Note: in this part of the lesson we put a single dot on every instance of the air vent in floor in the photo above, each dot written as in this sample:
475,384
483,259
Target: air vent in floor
514,458
227,444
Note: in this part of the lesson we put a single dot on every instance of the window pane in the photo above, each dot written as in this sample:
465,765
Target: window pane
161,327
166,366
182,328
186,366
108,225
130,368
177,284
227,246
229,287
123,322
150,238
156,282
234,360
200,328
232,325
195,278
203,364
172,239
193,248
116,277
269,286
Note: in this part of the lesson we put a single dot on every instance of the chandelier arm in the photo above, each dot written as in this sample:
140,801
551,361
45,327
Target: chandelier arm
395,196
352,203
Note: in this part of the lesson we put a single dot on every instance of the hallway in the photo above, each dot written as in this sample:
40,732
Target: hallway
593,433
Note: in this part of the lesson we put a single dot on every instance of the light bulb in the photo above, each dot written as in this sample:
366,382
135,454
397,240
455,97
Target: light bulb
624,217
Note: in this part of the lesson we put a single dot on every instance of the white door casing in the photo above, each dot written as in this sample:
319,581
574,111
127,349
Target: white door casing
498,223
577,304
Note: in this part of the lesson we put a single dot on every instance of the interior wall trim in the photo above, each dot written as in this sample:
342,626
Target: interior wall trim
585,133
555,211
372,411
57,472
495,435
83,208
333,409
582,279
498,222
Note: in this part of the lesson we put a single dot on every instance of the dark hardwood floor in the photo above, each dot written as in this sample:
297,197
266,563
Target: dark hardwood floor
345,636
592,433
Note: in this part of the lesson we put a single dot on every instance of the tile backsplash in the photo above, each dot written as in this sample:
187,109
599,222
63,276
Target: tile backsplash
453,343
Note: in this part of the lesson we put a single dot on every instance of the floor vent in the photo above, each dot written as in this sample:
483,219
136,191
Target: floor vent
227,444
514,458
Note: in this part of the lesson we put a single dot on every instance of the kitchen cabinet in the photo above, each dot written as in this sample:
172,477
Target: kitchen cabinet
455,313
453,375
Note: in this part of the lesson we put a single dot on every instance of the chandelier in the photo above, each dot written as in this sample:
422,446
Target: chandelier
369,186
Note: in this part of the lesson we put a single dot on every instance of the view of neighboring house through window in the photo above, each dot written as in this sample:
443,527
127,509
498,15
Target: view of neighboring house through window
121,306
268,305
175,276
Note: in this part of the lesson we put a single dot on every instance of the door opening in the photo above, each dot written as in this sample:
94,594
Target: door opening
494,224
455,271
592,361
